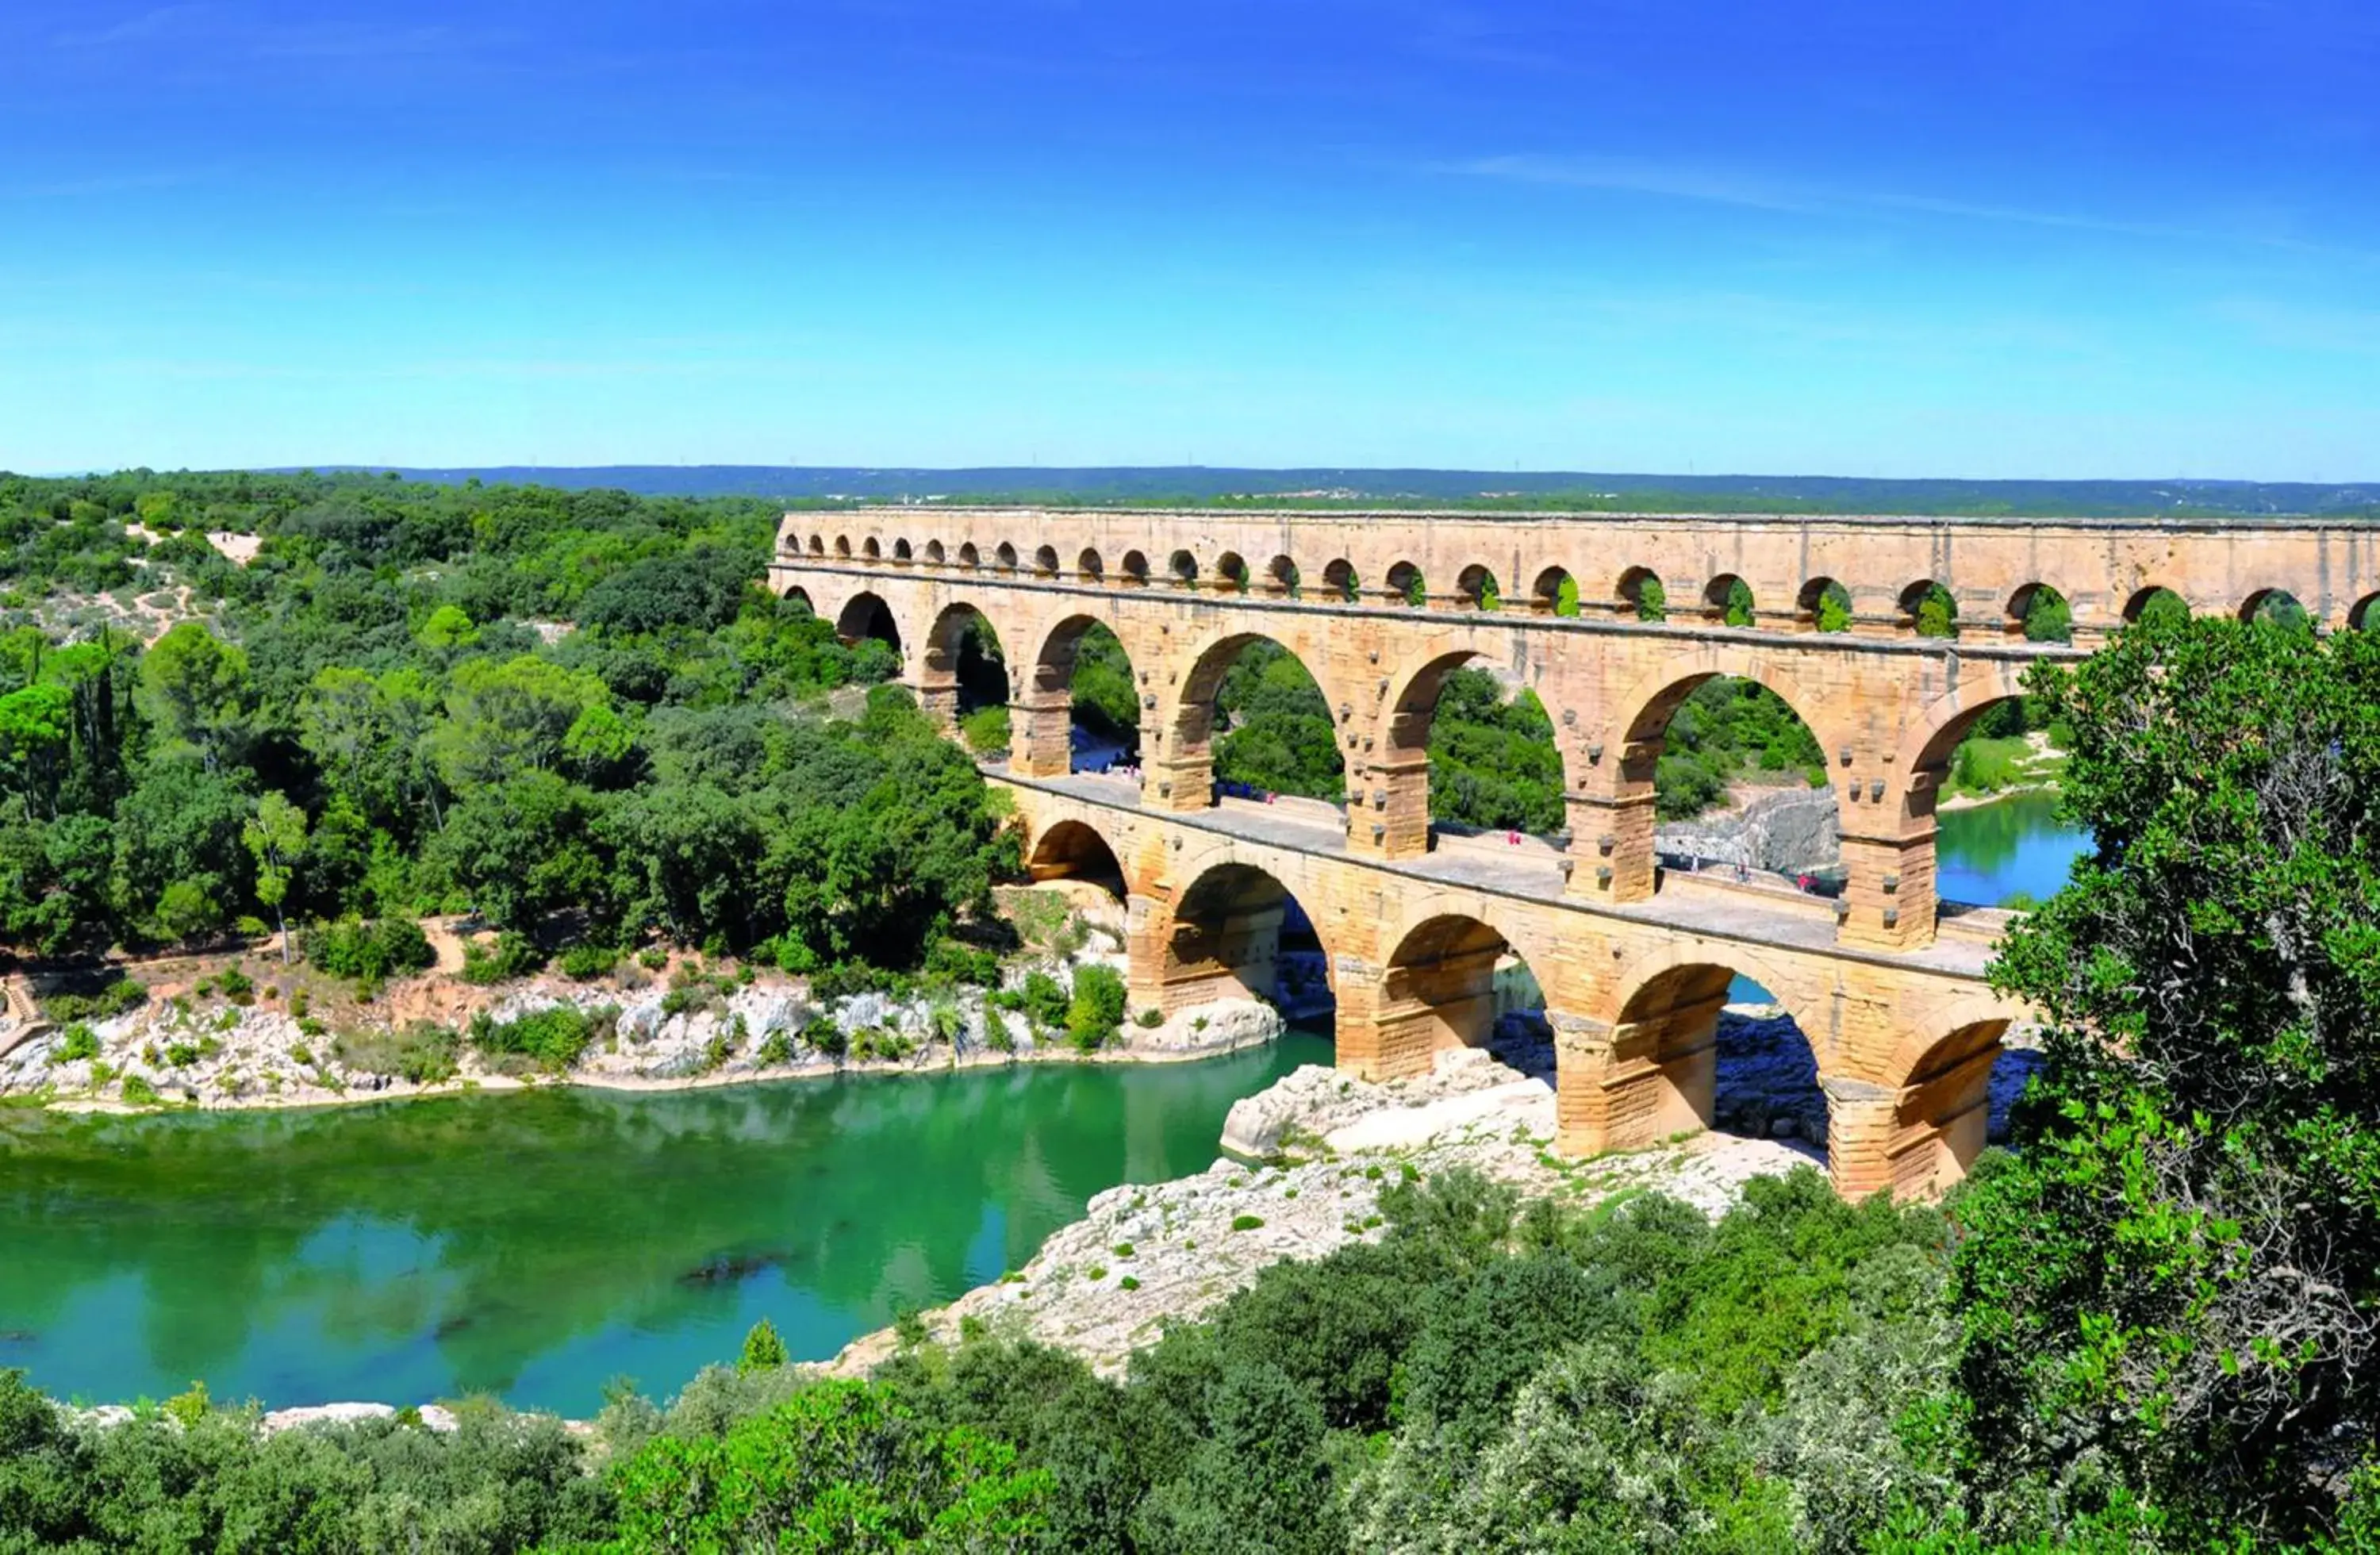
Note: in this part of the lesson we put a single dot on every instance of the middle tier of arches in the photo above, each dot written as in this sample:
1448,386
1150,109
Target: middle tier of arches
1886,716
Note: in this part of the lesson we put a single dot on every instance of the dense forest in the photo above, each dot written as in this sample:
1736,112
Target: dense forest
374,716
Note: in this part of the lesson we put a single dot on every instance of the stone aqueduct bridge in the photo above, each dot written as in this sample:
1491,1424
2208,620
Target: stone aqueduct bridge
1885,984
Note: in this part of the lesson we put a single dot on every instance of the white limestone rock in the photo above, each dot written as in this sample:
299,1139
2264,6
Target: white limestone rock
1225,1025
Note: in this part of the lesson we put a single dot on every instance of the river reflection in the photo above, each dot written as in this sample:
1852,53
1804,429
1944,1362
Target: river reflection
2011,850
536,1245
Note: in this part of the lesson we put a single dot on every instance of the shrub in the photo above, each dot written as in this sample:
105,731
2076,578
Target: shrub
424,1052
371,951
181,1055
687,997
1127,1283
555,1038
1247,1222
763,1348
986,729
776,1048
653,958
139,1092
514,956
236,985
822,1035
586,963
996,1035
113,1000
1094,1014
1045,1001
963,963
847,977
1149,1019
79,1042
299,1054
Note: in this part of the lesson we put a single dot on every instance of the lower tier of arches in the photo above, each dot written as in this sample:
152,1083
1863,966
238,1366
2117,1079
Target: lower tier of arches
1903,1045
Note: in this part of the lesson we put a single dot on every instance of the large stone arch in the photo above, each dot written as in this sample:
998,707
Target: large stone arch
1077,849
1216,934
1644,711
866,613
938,656
1613,819
1646,1070
1400,765
1043,745
1180,750
1928,1125
1928,742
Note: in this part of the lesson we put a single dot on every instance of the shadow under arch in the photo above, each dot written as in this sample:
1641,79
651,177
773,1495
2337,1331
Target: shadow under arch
1942,1115
1076,850
965,665
1237,932
1455,980
866,615
1705,1070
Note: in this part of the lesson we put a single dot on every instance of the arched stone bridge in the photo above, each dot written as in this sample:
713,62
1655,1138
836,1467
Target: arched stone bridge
1865,974
1904,1041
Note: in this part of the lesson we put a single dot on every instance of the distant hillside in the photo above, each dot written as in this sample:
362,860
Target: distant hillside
1320,487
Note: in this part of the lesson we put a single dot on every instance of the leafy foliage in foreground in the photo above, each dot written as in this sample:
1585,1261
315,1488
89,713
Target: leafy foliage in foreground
2172,1297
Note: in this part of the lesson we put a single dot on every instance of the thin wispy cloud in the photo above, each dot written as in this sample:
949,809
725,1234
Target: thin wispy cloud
233,30
1721,186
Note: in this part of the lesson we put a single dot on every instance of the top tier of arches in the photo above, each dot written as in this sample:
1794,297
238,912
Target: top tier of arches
2023,581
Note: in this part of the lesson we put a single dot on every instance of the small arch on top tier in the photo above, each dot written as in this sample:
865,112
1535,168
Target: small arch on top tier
1476,589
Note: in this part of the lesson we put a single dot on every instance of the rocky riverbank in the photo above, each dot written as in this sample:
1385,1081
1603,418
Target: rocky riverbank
1315,1151
274,1037
1143,1255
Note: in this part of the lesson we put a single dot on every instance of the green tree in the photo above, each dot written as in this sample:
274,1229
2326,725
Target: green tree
1834,612
1739,603
763,1349
2047,617
510,717
1652,600
2169,1293
1095,1012
276,835
35,726
1937,613
449,627
841,1467
198,688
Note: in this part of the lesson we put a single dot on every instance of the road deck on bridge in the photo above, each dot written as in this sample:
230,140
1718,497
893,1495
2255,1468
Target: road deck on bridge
1531,871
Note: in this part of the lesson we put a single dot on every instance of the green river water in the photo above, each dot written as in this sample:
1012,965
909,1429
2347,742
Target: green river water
536,1245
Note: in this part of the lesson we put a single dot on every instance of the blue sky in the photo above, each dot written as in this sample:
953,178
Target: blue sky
2082,239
